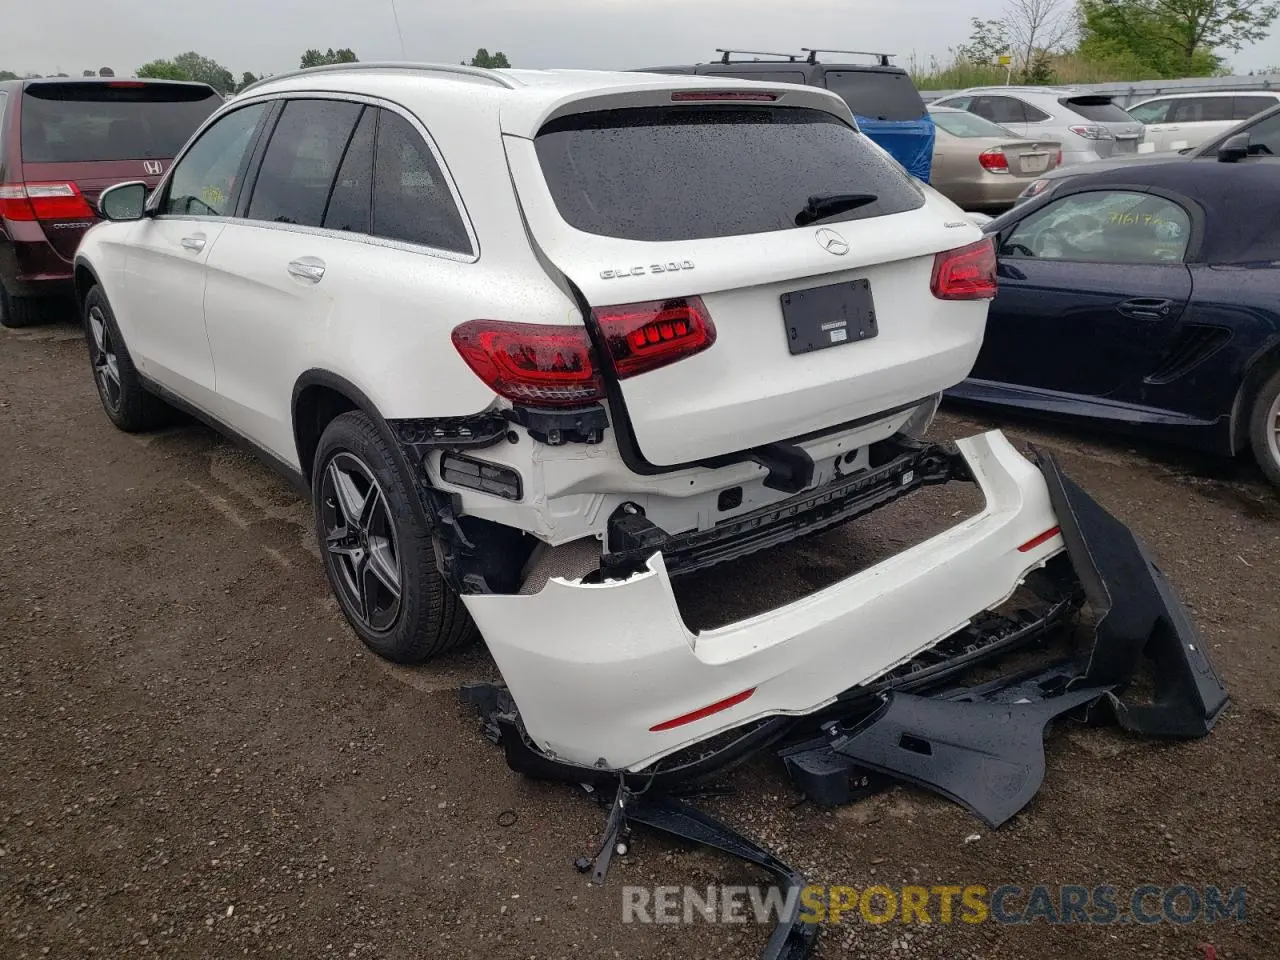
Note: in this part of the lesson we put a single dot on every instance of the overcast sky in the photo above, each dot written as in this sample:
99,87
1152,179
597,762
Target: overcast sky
269,35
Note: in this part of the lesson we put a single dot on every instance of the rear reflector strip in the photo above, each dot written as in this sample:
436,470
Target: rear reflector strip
707,711
1040,540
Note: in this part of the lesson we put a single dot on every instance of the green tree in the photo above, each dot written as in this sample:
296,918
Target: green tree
8,75
89,73
106,72
162,70
205,70
314,58
245,79
495,60
987,41
1173,38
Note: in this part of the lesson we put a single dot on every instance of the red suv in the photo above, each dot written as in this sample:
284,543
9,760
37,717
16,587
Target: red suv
62,142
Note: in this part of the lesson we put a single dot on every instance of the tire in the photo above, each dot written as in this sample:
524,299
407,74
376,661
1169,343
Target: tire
378,552
1264,428
128,404
18,312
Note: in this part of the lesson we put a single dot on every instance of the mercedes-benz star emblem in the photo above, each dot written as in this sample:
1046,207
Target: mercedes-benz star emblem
832,242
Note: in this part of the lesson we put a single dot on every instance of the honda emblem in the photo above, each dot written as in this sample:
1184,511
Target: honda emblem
153,167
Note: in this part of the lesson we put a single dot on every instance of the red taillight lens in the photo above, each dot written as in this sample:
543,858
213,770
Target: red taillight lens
644,336
538,364
43,201
994,161
967,273
702,96
1059,161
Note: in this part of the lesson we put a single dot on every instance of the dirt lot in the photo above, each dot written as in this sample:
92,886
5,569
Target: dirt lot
197,759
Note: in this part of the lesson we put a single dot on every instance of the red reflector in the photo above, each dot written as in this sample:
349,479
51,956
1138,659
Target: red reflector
533,363
707,711
1038,541
967,273
43,201
645,336
702,96
994,161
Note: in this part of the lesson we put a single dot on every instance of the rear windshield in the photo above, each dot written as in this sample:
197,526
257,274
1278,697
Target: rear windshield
75,122
688,173
877,94
1097,109
968,125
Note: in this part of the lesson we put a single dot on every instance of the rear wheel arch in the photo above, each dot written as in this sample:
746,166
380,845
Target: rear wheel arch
86,278
1265,363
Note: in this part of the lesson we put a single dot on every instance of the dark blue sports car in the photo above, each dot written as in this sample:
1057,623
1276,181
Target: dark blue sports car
1146,299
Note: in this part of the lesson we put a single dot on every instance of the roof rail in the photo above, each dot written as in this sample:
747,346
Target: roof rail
457,69
814,51
724,54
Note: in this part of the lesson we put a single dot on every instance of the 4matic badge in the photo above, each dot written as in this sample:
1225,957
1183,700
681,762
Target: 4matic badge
670,267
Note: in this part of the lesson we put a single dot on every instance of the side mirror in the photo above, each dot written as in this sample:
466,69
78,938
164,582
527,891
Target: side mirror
1234,149
124,201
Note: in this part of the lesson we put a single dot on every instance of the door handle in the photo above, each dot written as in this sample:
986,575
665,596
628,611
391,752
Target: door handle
310,269
194,243
1146,308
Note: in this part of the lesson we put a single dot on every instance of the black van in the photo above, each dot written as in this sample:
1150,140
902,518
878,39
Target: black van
883,99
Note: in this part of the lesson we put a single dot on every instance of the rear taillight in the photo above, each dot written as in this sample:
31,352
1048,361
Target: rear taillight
533,363
43,201
643,336
966,273
994,161
1058,162
1092,132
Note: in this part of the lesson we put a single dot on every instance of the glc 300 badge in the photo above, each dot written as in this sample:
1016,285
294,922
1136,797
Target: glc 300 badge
670,267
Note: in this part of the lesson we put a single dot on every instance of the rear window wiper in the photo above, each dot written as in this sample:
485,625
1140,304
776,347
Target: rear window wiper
825,205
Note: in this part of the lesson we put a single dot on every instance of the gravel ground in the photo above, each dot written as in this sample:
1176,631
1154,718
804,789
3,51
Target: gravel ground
197,759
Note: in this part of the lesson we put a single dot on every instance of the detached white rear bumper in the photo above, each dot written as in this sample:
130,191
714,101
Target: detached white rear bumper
595,668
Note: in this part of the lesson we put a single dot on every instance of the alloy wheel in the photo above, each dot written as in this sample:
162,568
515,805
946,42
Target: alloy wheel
106,367
360,540
1273,430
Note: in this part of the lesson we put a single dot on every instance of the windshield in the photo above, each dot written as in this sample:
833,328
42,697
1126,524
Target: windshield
687,173
969,125
126,120
877,94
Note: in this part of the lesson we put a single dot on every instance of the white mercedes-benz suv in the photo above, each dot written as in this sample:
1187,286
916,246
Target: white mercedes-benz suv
536,343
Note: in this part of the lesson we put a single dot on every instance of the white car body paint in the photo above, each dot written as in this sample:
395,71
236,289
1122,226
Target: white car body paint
230,330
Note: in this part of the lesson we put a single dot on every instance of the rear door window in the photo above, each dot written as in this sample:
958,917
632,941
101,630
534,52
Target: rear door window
1245,107
204,180
411,198
1201,109
1000,109
689,173
1157,111
1097,109
351,200
118,120
301,161
877,94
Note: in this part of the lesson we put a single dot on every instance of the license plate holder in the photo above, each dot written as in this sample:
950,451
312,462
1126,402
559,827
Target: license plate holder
829,316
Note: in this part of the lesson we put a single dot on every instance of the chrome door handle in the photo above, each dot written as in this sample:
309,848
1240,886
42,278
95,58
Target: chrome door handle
195,244
307,268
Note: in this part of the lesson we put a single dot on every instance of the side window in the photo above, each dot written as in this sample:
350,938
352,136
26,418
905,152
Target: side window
1246,107
1034,114
1000,109
411,201
1103,226
960,103
301,161
1155,111
203,182
351,202
1201,109
1264,137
